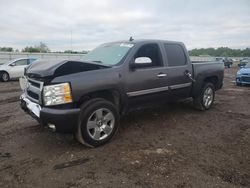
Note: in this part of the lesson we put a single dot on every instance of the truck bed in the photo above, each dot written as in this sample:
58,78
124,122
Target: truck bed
214,70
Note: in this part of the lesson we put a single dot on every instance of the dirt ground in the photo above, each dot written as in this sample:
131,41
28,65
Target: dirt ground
170,146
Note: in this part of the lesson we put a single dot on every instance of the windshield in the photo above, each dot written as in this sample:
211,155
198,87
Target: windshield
247,65
108,54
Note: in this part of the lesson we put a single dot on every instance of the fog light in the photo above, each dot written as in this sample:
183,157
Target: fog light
52,126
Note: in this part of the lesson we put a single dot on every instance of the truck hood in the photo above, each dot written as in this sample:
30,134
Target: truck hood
54,68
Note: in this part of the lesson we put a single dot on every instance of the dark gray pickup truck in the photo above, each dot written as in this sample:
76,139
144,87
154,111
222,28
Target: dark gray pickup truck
87,97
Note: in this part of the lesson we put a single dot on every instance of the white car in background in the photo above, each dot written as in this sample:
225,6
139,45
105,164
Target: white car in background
14,69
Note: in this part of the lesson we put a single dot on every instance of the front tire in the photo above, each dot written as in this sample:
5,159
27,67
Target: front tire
238,84
98,123
205,99
5,77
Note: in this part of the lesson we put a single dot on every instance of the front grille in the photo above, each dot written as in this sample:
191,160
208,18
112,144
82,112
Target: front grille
33,95
245,79
34,84
34,90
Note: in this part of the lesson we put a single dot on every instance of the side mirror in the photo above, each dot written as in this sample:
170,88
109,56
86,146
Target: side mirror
143,60
13,64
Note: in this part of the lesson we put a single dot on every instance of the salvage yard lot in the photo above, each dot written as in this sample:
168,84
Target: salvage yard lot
169,146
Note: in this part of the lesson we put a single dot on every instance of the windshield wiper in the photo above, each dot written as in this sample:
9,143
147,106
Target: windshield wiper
97,61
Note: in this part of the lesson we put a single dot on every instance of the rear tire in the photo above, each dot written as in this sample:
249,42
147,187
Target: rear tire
205,99
4,76
98,122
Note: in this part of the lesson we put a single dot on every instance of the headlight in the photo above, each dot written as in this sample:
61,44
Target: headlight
57,94
238,74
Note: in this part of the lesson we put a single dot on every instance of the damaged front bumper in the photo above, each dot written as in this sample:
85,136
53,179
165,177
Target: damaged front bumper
62,120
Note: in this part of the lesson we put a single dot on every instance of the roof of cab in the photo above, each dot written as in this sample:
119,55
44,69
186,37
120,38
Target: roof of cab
137,41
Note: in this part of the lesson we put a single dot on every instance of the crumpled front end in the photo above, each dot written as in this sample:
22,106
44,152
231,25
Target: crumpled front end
58,118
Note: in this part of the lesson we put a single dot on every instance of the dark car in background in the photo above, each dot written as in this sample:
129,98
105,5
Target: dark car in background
243,75
243,62
228,62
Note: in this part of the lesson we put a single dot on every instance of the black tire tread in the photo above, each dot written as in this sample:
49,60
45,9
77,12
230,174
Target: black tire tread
78,135
85,108
1,74
198,104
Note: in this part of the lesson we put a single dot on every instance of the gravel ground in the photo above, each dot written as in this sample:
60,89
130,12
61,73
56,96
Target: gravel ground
169,146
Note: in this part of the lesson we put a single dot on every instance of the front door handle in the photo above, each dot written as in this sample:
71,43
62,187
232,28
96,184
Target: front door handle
161,75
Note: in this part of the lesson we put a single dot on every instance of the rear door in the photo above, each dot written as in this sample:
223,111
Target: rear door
178,66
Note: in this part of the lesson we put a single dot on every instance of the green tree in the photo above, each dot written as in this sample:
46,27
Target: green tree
31,49
6,49
42,47
220,52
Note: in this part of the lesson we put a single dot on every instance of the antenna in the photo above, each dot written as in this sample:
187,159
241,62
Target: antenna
71,40
131,39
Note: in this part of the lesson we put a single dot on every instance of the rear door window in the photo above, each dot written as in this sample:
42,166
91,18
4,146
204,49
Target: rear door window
175,55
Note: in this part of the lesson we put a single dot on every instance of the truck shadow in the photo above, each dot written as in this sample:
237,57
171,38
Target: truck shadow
140,117
137,121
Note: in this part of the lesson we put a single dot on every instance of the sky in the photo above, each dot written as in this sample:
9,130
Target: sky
88,23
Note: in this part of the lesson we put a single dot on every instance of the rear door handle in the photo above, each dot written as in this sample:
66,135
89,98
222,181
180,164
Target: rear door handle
189,75
160,75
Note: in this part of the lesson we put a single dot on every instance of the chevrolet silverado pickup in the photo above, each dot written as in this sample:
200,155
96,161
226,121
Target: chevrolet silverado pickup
87,97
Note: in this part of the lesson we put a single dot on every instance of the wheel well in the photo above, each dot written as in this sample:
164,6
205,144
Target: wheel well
212,79
110,95
2,71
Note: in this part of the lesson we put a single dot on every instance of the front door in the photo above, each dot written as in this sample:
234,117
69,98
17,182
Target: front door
17,68
147,82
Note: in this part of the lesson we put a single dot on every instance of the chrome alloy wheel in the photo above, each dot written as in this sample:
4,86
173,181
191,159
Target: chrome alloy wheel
100,124
208,97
